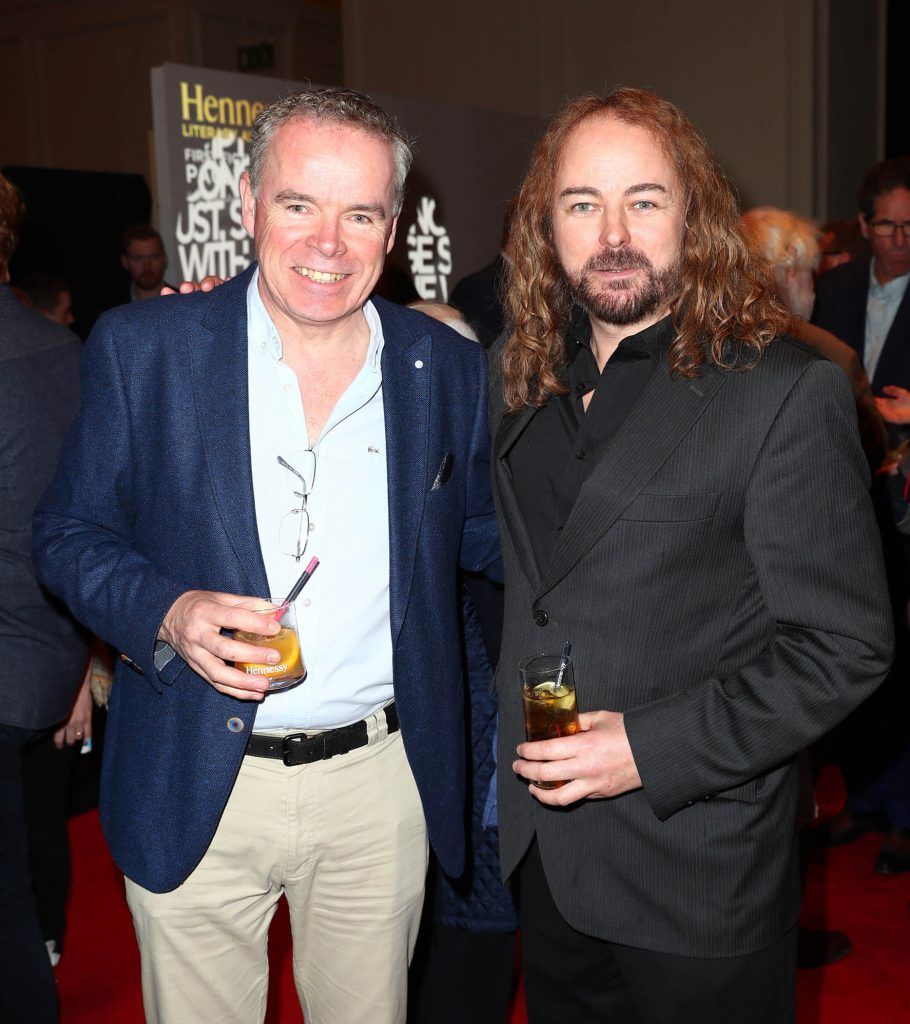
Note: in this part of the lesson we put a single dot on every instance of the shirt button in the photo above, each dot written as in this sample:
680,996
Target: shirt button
541,617
235,724
311,527
419,364
581,388
287,387
581,454
305,602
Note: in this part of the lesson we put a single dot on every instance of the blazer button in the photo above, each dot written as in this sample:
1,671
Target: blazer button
235,724
541,617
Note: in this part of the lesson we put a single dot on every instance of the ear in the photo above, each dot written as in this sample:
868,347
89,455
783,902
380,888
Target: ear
391,241
247,203
863,226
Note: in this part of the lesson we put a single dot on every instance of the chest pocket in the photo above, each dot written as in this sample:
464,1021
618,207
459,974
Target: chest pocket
672,508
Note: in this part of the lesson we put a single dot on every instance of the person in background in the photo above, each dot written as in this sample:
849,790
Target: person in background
143,257
50,295
478,296
841,241
43,653
866,303
469,923
790,244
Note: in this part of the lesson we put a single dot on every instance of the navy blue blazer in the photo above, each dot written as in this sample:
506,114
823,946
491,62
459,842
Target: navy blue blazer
154,496
840,307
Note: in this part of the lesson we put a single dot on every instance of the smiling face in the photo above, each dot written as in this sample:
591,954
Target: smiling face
618,220
891,253
323,222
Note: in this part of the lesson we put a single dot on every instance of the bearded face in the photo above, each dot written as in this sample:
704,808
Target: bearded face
606,293
618,220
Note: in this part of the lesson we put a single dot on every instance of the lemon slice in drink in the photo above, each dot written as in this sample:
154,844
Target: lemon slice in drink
550,690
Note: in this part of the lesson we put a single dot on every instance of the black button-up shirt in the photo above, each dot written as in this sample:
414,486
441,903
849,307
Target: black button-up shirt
561,445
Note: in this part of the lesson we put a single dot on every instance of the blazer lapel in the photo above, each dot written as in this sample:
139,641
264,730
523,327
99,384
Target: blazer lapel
406,375
511,519
661,418
218,361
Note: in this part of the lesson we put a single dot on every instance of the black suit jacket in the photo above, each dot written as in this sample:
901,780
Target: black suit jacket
840,307
479,297
43,652
721,581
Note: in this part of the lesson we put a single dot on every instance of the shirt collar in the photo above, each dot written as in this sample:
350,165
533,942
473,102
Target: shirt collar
263,335
651,343
893,290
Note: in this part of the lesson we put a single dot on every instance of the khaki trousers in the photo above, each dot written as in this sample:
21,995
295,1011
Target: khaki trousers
345,841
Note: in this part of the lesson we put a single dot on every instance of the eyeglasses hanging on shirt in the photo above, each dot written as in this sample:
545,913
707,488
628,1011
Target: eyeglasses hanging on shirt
294,529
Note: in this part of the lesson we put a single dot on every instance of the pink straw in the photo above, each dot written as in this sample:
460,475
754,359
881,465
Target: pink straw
298,586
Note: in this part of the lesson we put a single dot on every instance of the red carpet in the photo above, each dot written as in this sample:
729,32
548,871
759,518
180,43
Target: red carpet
99,973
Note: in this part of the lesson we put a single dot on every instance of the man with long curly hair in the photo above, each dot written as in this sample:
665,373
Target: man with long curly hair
683,497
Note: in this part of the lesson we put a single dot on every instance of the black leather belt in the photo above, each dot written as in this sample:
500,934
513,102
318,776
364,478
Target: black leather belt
298,748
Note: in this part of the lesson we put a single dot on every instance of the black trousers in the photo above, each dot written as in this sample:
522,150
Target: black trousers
28,994
462,977
46,773
571,978
458,976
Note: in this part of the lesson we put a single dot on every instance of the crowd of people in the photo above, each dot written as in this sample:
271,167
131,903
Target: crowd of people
647,435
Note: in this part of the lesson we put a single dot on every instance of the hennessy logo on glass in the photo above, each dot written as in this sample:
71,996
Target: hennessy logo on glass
548,696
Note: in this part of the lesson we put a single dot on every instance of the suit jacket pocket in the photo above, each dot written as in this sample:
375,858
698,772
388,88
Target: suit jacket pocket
672,508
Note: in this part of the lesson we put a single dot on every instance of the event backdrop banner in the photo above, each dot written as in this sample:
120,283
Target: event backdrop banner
468,165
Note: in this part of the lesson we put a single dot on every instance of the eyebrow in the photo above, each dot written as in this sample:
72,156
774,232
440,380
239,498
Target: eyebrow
590,190
289,196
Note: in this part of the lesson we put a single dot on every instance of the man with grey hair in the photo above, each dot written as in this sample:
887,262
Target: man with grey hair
790,244
283,417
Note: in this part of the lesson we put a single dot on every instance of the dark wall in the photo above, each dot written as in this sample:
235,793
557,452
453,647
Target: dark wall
897,99
853,128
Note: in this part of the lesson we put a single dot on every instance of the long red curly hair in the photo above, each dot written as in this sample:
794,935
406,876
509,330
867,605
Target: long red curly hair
725,310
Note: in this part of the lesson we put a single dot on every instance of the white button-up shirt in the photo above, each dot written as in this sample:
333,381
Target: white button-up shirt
881,308
343,612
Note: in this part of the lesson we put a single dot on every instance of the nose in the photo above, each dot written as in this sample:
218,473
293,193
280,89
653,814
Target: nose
326,238
614,231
